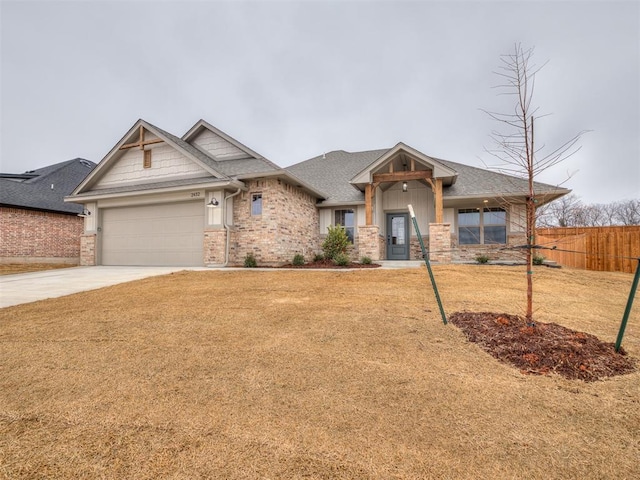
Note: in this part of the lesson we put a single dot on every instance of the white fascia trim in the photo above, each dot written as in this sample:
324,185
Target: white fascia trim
187,137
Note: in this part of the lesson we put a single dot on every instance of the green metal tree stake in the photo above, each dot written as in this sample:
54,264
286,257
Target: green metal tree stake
426,260
627,311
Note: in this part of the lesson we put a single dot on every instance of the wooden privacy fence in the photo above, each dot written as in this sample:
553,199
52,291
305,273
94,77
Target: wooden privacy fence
610,249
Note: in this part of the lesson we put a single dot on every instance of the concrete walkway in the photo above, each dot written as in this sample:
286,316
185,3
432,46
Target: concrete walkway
31,287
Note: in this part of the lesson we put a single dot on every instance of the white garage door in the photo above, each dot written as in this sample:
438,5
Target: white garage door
168,234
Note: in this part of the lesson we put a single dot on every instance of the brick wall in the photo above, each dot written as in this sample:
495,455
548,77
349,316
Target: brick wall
288,225
34,236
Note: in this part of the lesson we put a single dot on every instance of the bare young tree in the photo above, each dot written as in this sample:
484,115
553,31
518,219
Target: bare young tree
514,145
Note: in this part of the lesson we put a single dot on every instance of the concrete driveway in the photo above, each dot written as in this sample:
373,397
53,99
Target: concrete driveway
30,287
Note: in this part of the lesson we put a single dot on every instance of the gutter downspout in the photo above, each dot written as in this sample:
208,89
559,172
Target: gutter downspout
226,226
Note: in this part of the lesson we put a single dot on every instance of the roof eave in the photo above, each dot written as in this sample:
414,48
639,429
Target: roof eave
282,173
97,195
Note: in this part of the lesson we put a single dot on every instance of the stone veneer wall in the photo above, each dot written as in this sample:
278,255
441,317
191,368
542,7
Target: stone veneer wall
415,252
88,249
28,236
368,243
440,242
289,224
469,253
214,246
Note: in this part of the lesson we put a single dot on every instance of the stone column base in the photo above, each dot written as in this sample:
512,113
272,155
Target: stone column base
215,241
368,241
88,249
440,242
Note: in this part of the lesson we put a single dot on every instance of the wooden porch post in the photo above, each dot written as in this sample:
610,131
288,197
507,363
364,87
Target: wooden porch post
438,200
368,202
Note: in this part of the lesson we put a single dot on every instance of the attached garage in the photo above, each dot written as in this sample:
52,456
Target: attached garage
169,234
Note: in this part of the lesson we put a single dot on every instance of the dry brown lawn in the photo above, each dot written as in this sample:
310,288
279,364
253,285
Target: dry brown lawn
11,268
303,374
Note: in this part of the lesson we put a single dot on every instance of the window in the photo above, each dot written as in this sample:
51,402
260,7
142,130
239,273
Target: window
346,218
486,226
495,225
147,159
256,204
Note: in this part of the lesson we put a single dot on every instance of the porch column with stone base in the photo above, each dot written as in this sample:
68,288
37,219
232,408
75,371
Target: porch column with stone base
368,241
215,241
440,242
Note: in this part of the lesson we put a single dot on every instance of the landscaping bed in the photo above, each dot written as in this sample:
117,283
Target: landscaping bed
543,348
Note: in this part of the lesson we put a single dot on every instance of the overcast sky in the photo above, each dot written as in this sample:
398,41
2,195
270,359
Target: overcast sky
294,79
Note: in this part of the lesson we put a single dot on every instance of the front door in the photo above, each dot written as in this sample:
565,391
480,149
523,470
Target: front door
397,236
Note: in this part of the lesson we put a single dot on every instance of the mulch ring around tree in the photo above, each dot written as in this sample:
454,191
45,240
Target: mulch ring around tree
544,348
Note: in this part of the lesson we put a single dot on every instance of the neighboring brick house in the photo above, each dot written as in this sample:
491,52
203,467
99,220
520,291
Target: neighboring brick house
207,199
36,225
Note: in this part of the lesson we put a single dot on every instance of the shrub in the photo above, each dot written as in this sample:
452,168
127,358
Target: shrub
482,259
342,259
318,257
298,259
250,261
336,242
365,260
538,259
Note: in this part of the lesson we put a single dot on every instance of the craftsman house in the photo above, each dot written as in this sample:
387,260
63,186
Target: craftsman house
36,225
207,199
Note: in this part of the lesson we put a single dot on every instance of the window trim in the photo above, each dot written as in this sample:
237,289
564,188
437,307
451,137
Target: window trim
352,228
482,225
254,196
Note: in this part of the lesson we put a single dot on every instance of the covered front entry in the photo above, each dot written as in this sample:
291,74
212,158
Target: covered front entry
161,235
397,236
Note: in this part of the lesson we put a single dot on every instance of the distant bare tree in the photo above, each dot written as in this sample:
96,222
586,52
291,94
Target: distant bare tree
569,211
560,213
628,212
514,146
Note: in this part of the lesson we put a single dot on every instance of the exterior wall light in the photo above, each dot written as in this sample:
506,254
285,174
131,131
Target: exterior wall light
213,203
405,186
84,213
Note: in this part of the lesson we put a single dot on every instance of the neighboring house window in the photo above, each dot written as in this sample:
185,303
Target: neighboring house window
147,159
487,226
256,204
346,218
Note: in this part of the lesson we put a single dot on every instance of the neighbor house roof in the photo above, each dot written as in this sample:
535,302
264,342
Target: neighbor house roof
45,188
332,173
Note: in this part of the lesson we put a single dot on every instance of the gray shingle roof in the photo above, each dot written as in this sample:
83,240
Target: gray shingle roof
36,193
332,173
477,182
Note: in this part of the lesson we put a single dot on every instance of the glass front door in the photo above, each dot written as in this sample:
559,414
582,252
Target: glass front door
397,236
